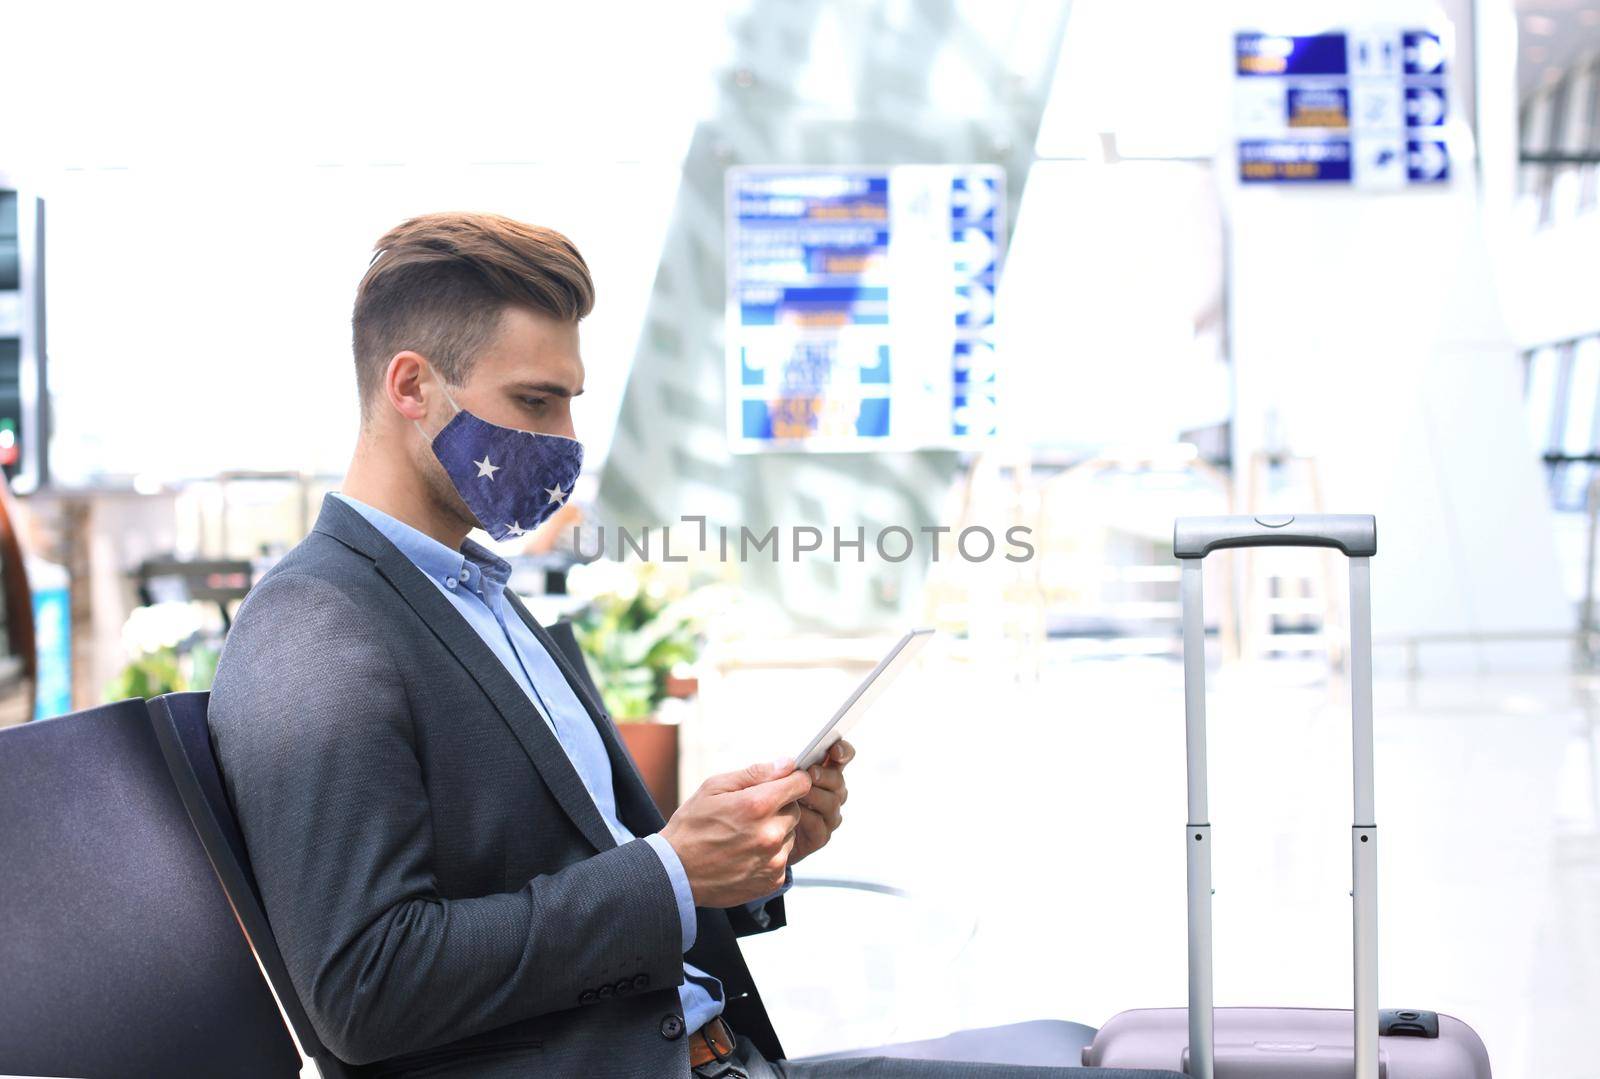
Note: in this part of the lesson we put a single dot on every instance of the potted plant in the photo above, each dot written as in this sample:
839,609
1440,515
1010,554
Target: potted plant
640,634
168,648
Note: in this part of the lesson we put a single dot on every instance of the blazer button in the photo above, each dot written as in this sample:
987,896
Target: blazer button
672,1027
587,997
604,991
641,980
624,986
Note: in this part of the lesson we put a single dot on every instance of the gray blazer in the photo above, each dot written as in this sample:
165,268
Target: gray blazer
447,899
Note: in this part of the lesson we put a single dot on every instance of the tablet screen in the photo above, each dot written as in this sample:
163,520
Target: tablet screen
888,668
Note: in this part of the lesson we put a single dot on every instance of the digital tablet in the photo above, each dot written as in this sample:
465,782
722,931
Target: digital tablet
904,651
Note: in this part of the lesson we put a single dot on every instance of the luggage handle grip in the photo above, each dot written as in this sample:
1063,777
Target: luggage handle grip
1353,534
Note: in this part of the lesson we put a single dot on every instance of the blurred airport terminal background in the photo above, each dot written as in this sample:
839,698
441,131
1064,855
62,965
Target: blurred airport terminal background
909,312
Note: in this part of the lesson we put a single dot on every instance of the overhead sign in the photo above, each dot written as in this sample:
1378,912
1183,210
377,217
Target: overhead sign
1363,106
861,306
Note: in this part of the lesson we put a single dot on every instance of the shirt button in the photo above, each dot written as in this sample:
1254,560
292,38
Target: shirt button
449,582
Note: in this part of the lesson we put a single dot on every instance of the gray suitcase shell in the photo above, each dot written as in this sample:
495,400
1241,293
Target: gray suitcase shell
1278,1043
1286,1043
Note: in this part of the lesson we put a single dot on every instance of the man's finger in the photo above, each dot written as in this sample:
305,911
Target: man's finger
821,800
826,820
752,776
767,797
831,778
813,830
841,753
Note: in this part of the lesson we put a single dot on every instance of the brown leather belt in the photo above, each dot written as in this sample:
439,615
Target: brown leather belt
714,1041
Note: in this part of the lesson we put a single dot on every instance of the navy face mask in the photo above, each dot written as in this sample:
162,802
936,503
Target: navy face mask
510,479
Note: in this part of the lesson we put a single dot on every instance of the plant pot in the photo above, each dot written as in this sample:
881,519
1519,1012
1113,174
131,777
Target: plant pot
682,688
653,745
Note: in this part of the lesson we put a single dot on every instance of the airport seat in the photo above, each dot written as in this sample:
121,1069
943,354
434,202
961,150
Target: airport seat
119,951
179,722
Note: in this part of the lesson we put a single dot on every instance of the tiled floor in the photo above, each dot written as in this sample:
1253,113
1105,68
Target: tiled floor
1036,827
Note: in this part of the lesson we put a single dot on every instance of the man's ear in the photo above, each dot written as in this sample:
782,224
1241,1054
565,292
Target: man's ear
408,384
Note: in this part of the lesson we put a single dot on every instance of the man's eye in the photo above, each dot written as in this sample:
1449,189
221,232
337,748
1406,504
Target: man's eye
536,403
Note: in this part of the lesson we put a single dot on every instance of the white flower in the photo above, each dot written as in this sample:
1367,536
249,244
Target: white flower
160,625
602,577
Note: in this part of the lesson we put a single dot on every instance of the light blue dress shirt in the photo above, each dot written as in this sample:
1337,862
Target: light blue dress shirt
474,580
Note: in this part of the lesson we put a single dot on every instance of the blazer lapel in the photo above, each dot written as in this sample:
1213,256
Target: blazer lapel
538,741
633,797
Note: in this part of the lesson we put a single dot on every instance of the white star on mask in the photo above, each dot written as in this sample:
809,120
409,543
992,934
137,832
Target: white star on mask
557,495
514,529
485,468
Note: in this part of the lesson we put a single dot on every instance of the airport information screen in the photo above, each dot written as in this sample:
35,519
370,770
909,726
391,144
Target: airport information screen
861,306
1364,107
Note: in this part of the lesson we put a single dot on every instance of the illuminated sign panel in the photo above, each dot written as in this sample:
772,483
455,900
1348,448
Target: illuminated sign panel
861,306
1364,106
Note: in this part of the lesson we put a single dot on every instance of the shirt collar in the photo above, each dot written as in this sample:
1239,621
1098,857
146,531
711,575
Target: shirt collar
496,570
432,557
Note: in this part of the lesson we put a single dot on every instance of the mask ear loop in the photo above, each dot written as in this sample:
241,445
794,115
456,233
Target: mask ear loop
440,383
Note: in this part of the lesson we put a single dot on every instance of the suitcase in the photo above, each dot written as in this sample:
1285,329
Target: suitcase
1286,1043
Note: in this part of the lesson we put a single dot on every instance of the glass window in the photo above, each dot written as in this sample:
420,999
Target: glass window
1530,177
1589,184
1544,377
1563,398
1568,137
1550,132
1583,392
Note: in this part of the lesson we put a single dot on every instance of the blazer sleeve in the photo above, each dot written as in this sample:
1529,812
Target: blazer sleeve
747,923
314,735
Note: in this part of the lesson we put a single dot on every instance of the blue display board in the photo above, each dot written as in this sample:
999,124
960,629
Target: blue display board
52,633
1362,106
861,306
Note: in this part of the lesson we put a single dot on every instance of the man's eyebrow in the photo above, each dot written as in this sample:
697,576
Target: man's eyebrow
555,389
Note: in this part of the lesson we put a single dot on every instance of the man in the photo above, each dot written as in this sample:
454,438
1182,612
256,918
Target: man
461,864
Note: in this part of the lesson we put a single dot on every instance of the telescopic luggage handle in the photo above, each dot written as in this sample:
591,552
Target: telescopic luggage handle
1356,535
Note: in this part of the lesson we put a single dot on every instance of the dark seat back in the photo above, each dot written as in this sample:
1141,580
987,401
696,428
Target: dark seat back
119,955
179,721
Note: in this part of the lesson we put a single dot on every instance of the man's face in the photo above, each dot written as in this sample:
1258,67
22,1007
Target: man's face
527,376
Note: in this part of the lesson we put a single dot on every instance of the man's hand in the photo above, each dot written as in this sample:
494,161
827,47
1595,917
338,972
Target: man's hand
734,835
820,812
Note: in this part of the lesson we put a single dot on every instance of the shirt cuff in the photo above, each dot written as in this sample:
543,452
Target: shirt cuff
758,907
680,887
788,882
